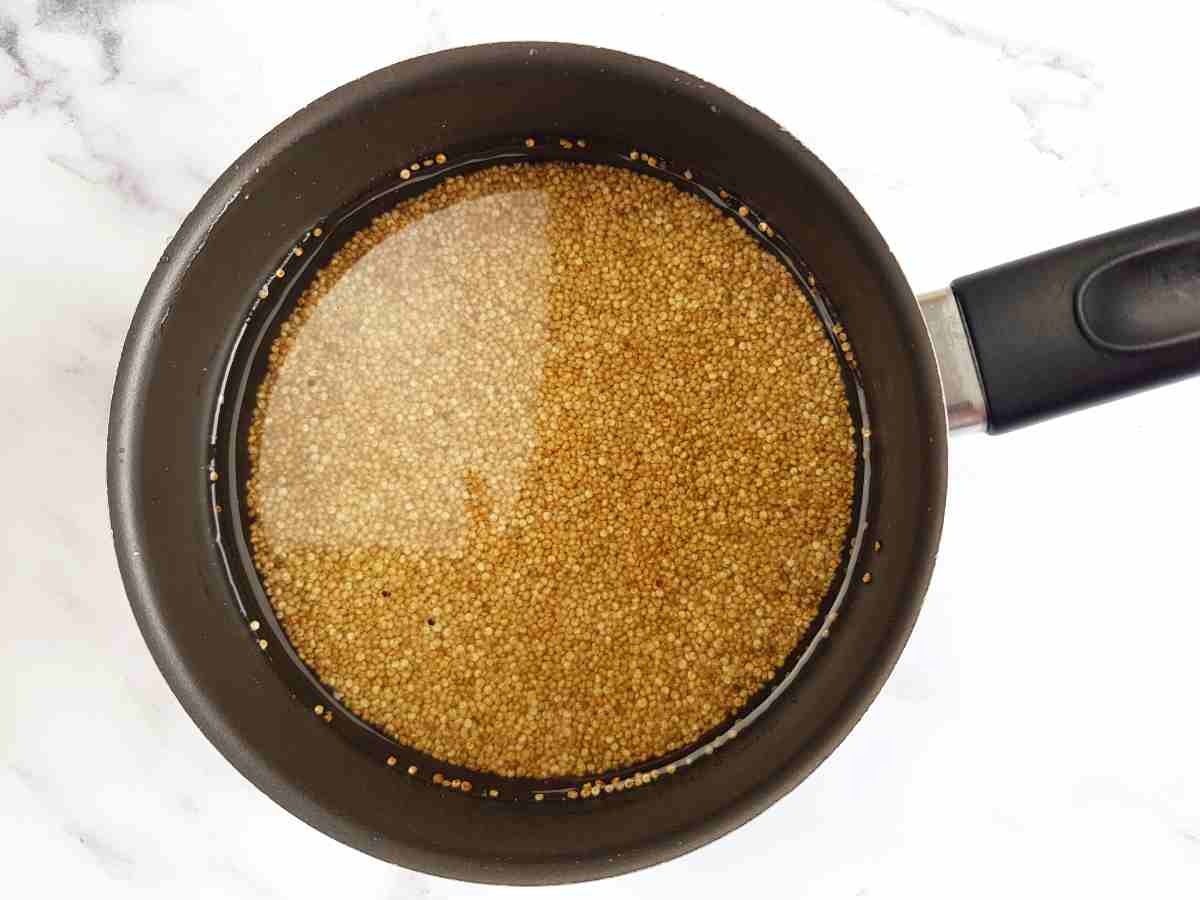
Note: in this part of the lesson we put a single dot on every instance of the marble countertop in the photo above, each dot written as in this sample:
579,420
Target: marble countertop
1039,736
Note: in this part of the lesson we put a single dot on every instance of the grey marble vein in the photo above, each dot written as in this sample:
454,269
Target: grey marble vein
113,859
35,87
91,17
1031,104
1010,48
47,88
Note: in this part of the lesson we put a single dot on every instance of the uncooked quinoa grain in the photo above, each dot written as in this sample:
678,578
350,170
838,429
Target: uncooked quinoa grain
551,469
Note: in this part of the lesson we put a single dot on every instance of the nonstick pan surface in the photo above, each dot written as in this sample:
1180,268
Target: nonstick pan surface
231,470
174,379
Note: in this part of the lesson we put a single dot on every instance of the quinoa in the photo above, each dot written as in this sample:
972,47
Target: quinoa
551,469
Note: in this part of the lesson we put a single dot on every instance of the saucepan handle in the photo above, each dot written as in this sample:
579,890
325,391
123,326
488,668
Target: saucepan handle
1082,324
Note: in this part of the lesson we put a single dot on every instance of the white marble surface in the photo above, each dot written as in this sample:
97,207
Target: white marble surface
1041,735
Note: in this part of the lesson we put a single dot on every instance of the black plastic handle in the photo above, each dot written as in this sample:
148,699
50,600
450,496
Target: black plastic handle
1088,322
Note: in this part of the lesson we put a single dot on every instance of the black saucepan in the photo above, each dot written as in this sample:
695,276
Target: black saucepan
1014,344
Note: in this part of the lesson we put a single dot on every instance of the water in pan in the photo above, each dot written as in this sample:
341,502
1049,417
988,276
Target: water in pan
553,469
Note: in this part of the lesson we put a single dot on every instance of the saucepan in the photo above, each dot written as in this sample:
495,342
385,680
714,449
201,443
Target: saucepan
995,351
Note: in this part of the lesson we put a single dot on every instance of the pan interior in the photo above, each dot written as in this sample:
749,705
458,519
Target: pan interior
276,301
